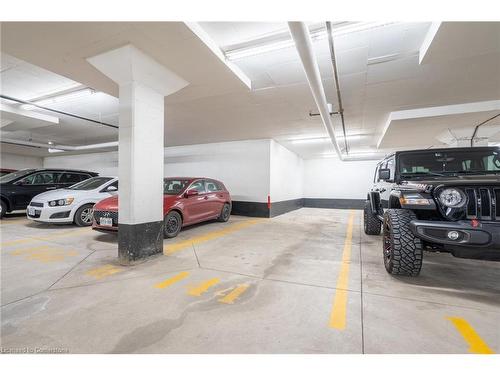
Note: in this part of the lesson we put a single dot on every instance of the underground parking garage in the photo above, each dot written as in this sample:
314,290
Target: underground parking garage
265,188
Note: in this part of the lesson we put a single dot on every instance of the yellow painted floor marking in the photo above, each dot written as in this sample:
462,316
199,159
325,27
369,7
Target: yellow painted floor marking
172,248
338,315
172,280
104,271
203,287
476,343
75,231
44,254
11,222
234,294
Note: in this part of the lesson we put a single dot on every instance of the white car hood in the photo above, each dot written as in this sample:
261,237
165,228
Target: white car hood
55,194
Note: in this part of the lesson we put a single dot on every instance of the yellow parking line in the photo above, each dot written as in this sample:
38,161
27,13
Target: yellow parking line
203,287
29,250
172,280
11,222
104,271
44,254
476,343
338,315
172,248
234,294
43,238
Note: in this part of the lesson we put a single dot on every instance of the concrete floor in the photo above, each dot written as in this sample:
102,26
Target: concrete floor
296,283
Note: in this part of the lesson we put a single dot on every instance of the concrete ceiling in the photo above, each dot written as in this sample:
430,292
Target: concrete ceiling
380,72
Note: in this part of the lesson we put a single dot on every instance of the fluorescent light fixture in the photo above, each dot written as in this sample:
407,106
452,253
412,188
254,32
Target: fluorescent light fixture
28,107
54,150
59,98
71,96
310,140
318,34
258,50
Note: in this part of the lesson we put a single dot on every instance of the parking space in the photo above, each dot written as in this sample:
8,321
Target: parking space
309,281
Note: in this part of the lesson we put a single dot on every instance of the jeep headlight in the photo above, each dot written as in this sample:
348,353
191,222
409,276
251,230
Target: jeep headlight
451,197
61,202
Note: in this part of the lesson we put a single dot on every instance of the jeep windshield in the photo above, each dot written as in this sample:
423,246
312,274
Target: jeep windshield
449,163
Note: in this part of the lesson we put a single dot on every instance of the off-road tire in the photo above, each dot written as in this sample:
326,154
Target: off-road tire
82,218
3,209
172,224
402,251
225,213
371,223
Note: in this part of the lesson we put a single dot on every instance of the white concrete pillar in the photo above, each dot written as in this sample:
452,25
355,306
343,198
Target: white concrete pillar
143,84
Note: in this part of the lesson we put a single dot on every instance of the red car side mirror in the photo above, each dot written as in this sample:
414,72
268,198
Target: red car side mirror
191,192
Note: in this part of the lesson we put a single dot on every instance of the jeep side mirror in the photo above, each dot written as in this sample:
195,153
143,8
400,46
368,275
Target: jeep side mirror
384,174
190,193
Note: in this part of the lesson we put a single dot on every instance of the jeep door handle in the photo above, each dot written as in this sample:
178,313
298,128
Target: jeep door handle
205,197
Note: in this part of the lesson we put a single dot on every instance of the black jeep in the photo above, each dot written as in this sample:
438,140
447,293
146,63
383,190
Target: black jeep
445,200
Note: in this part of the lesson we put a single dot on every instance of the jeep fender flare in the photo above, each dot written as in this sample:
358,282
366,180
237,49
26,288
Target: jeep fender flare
375,203
393,201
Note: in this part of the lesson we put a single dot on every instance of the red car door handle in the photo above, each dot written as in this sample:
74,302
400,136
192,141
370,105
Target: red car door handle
205,197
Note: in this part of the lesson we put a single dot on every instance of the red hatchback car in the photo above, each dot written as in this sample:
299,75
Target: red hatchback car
186,201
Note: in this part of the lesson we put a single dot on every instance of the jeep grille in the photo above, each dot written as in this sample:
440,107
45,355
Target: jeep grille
482,203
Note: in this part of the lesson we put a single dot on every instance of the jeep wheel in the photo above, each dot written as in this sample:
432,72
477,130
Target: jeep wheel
371,222
402,250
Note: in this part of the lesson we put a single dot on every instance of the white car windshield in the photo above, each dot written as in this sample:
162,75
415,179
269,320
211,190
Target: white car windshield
91,183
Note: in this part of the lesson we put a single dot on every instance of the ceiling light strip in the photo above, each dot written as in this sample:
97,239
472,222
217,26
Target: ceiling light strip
286,42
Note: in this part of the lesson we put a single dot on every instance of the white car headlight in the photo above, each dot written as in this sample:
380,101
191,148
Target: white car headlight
453,198
61,202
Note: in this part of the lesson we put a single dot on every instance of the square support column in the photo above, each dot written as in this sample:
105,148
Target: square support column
143,84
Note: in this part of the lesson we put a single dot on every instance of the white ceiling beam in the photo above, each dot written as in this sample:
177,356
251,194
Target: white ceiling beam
429,37
446,110
215,49
24,119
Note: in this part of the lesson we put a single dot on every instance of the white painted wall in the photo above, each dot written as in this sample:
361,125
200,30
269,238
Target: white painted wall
13,161
251,170
104,163
332,178
243,166
286,174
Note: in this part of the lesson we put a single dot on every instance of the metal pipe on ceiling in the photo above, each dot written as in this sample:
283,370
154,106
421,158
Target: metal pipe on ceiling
303,44
474,134
336,77
6,97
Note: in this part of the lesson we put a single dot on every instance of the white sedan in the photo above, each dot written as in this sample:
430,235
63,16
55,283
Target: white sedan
74,204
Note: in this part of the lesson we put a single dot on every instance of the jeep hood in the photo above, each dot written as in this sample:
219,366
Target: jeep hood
455,180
